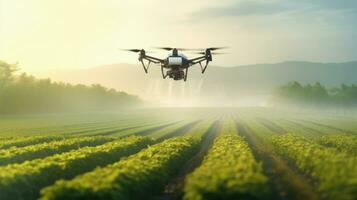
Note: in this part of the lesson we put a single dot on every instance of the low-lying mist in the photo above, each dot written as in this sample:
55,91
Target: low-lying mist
194,94
250,85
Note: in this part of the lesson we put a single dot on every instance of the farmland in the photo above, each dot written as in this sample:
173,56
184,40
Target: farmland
179,153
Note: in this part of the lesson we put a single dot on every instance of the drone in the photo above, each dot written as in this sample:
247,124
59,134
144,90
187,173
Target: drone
176,65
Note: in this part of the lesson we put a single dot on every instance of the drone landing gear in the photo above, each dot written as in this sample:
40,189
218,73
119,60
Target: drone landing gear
203,69
186,71
162,72
145,67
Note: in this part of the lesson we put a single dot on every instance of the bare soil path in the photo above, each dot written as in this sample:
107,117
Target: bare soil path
174,189
285,182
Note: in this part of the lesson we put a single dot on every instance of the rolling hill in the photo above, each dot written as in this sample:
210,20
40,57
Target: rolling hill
240,85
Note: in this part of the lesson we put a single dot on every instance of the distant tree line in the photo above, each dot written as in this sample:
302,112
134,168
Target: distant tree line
316,95
26,94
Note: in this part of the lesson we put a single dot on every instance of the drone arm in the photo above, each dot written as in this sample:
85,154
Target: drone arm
150,60
199,61
153,59
194,60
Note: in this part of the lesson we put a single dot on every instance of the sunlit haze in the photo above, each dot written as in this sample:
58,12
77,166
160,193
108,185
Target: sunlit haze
178,99
49,34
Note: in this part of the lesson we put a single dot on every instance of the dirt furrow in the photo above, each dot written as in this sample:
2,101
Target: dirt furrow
271,126
106,129
329,127
179,131
111,132
174,188
303,127
153,129
285,182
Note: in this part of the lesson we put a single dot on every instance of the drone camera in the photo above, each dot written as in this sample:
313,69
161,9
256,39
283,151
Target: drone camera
176,74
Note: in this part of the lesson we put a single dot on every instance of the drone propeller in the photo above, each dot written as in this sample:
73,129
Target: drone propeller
171,48
213,53
165,48
216,48
136,50
132,50
209,49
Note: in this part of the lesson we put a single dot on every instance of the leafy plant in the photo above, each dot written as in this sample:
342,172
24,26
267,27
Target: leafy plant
136,177
335,171
229,171
24,181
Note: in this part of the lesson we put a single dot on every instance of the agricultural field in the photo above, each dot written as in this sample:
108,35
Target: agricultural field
179,153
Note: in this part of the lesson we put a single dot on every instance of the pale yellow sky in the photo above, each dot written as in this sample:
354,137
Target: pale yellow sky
72,34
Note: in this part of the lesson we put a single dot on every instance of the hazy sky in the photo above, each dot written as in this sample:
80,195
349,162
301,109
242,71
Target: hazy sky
71,34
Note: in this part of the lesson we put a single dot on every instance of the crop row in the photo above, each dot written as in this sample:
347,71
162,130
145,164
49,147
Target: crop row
3,138
120,129
17,155
135,177
68,125
23,181
144,128
90,129
228,171
335,171
200,129
7,142
161,129
344,143
174,130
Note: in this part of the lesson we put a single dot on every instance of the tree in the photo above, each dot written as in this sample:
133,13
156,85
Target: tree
6,73
26,94
315,95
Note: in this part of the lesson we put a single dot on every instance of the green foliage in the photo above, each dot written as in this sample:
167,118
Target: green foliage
200,129
6,74
7,142
336,172
315,95
24,181
229,171
17,155
162,133
26,94
136,177
296,93
344,143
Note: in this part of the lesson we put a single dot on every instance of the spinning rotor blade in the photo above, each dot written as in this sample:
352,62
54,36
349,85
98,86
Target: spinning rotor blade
132,50
213,53
171,48
164,48
186,49
137,50
210,49
216,48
